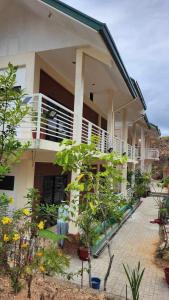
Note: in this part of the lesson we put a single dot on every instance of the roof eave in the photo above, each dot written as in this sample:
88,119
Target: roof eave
104,32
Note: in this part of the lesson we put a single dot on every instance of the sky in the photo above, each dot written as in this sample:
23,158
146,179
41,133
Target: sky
140,29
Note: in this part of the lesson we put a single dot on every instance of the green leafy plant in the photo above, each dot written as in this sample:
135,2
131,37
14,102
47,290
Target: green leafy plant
96,188
134,277
12,112
49,213
24,251
142,183
166,182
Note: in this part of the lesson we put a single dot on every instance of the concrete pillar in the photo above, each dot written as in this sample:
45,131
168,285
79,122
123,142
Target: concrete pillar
134,158
77,128
142,149
111,120
23,182
124,137
79,95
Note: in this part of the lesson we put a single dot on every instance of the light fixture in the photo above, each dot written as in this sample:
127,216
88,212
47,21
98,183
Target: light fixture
49,14
91,97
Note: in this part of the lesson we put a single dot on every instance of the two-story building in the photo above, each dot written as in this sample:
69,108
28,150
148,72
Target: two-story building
77,84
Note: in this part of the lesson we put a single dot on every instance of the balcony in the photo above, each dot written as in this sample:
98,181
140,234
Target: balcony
49,123
148,153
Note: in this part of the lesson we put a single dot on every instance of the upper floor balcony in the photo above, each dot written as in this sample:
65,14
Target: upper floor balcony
148,153
49,122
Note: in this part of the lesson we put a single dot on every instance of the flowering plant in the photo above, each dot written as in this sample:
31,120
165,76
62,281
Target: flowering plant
22,245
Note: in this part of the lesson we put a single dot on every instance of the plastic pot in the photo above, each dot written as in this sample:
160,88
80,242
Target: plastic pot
166,271
83,253
95,283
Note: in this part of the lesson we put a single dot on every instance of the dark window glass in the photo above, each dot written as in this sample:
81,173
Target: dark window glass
54,189
7,183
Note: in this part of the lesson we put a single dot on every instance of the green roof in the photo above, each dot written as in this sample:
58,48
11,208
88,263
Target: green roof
147,121
102,29
156,127
139,93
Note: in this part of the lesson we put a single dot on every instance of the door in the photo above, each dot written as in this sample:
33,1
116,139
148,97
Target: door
54,189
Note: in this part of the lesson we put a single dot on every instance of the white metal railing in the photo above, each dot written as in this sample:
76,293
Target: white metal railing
47,120
151,153
50,120
89,129
148,153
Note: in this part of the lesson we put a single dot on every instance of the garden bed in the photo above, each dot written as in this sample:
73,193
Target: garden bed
101,244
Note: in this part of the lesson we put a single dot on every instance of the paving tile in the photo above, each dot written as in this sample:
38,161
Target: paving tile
135,241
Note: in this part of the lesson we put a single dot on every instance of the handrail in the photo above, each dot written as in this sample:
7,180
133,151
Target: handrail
40,126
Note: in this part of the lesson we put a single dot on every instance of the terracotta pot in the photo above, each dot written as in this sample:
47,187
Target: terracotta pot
166,271
83,253
157,221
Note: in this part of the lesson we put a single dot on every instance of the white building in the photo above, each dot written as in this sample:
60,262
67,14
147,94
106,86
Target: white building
76,81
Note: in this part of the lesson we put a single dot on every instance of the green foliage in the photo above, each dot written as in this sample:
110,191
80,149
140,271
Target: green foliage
48,234
49,213
54,261
142,183
166,181
134,277
129,176
87,225
96,188
23,250
12,112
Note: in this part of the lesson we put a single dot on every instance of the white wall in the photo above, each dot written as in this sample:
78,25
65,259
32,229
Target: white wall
26,27
27,61
24,179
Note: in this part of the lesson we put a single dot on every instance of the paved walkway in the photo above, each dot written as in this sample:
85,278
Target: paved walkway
136,241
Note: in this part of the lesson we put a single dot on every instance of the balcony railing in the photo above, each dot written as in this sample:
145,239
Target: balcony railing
148,153
49,120
151,153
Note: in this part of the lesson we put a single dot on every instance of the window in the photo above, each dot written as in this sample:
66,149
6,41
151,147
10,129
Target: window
20,76
54,189
7,183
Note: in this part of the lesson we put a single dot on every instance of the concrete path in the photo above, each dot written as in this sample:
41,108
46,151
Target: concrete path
136,241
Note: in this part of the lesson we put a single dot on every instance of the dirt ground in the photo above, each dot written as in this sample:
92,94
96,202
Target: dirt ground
49,289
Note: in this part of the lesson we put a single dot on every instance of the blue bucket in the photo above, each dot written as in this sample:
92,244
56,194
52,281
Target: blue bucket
95,282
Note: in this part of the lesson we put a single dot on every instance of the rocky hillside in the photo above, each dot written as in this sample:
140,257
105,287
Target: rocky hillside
164,147
159,166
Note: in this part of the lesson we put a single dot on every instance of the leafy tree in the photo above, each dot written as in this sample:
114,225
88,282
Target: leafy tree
99,202
12,112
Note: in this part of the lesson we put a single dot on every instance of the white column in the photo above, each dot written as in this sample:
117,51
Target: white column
134,152
142,149
111,120
124,137
79,94
77,128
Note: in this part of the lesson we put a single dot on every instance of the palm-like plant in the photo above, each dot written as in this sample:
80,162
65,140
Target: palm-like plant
134,277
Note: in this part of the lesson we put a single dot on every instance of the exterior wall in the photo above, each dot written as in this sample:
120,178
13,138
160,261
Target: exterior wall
27,60
54,90
24,30
24,179
40,64
45,169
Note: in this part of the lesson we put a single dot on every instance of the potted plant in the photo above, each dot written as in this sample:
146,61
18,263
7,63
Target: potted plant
166,272
88,235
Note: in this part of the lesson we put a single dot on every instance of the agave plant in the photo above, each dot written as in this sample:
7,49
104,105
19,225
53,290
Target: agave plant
134,277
